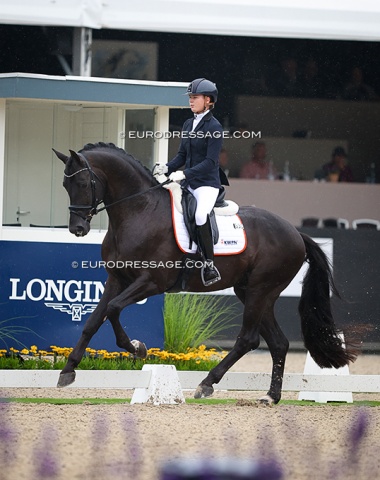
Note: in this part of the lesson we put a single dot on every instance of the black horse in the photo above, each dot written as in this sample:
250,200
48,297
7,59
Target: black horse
140,228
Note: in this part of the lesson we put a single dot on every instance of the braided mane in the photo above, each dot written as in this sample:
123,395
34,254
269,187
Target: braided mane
122,153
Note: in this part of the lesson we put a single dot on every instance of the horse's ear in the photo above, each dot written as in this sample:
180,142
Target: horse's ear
76,157
61,156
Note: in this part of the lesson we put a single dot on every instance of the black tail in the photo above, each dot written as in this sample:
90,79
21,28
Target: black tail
320,334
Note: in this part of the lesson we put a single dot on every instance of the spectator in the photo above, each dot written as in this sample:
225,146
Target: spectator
311,80
356,89
258,167
337,169
223,161
286,83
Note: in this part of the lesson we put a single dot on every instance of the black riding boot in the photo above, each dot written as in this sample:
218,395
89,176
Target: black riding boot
209,272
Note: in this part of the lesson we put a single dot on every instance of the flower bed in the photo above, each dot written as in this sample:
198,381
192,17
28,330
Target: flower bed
201,358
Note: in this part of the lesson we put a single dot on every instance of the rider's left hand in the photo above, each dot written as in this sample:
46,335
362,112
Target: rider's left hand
177,176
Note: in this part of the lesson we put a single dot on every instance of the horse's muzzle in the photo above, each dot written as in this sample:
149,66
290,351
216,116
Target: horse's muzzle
80,230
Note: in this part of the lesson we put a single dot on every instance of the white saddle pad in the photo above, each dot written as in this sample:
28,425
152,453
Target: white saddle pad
175,189
232,237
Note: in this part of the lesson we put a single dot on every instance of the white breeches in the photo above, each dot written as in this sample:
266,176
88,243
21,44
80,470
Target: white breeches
206,198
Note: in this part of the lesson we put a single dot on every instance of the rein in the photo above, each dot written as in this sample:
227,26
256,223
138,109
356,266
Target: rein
132,196
94,210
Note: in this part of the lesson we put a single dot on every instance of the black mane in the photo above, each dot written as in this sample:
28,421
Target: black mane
101,146
112,147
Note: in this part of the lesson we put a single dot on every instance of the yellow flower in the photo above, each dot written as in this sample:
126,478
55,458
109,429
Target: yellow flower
153,351
192,354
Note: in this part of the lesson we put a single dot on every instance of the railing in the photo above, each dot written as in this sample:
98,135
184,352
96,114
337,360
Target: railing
189,380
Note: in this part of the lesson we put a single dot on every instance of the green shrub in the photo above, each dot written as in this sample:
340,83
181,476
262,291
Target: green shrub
192,320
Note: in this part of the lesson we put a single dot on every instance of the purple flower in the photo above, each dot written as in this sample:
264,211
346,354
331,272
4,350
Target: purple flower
100,433
46,464
269,470
135,454
100,430
358,430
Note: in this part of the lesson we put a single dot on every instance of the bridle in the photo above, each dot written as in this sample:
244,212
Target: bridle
93,208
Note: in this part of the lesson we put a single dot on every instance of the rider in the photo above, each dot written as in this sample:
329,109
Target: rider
201,142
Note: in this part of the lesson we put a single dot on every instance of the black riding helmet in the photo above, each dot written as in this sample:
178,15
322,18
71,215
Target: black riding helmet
202,86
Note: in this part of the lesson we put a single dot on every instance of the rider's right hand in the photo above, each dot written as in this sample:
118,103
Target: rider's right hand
160,169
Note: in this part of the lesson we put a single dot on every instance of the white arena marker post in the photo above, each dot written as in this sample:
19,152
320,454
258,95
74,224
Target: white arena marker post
311,368
164,387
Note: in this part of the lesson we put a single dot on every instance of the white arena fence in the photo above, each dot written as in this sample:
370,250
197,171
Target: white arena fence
189,380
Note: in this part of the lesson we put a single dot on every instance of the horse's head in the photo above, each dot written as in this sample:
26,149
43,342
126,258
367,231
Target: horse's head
82,185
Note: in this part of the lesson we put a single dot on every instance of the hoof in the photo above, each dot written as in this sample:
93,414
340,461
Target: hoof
140,349
66,379
266,400
203,391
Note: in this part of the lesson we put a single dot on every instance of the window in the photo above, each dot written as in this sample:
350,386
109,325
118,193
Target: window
139,135
33,192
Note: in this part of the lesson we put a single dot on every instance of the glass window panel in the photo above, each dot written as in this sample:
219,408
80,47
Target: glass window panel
139,132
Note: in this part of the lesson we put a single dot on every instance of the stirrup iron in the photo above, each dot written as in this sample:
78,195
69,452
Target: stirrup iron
206,269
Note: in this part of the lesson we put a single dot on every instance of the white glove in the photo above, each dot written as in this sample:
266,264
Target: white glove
177,176
160,169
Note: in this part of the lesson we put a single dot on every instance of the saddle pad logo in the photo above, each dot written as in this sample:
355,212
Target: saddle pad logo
229,242
238,226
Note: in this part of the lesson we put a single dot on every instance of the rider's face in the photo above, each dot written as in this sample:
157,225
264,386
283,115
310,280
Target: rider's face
199,103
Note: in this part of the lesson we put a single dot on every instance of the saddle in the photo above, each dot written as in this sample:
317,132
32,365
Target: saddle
189,205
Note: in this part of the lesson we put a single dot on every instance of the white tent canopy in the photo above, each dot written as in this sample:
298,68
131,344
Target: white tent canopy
314,19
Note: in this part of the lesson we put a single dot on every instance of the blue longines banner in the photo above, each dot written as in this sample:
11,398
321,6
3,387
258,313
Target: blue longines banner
52,288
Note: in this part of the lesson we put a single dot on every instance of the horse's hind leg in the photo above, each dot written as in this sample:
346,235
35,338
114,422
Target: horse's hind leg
278,346
248,339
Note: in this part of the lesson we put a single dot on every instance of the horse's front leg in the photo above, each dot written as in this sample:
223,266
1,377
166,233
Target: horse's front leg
92,325
135,347
143,287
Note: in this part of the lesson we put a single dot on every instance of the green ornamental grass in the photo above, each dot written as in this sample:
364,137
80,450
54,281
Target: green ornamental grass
9,331
191,320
